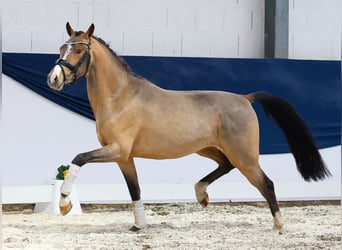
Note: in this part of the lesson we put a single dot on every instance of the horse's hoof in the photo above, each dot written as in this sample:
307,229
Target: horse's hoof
278,231
204,203
65,209
201,194
135,228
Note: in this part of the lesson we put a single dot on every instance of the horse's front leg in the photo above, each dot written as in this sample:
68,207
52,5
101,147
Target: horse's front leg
109,153
129,172
106,154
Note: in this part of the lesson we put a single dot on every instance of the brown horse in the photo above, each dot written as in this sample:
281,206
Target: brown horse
135,118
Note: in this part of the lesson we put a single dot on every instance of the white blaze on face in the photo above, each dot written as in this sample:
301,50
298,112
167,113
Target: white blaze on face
56,78
67,52
57,70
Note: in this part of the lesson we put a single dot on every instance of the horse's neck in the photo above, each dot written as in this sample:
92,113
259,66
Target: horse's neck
107,83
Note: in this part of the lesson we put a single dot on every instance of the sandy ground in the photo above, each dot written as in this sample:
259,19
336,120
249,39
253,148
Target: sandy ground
177,226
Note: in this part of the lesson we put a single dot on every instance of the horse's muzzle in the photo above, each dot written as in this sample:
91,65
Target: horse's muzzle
55,78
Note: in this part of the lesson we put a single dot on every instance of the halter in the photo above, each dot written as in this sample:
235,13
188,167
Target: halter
73,68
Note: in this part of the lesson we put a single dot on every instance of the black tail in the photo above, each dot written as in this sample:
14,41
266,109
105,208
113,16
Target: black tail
302,144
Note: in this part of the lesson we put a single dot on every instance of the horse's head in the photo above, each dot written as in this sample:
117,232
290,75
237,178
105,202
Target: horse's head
74,58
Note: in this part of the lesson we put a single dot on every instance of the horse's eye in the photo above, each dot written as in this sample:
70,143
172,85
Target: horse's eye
78,51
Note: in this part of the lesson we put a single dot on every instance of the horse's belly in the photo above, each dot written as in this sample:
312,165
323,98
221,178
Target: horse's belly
164,152
170,145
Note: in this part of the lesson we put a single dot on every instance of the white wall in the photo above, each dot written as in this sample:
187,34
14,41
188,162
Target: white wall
205,28
213,28
315,29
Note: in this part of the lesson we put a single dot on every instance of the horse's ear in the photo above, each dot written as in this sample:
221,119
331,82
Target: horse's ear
90,30
69,29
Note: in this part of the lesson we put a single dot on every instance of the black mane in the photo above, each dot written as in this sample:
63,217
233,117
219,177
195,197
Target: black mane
114,54
119,58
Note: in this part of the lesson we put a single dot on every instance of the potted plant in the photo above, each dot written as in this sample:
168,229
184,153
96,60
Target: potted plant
62,171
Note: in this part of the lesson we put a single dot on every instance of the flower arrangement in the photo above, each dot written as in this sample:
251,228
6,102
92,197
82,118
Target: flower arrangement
62,171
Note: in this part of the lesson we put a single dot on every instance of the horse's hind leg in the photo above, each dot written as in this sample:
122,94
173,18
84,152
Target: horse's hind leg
259,179
224,166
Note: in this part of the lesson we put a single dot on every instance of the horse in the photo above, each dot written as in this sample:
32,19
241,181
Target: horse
136,118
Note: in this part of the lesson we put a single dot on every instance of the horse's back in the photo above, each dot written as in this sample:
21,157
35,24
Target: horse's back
199,106
193,99
183,122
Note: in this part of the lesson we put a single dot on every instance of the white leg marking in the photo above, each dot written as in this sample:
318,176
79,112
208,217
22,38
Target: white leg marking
278,222
64,201
139,214
201,194
69,179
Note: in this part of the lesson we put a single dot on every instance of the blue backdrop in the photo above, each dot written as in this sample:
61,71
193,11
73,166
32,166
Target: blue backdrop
312,86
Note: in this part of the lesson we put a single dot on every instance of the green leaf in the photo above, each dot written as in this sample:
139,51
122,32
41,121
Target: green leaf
60,170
